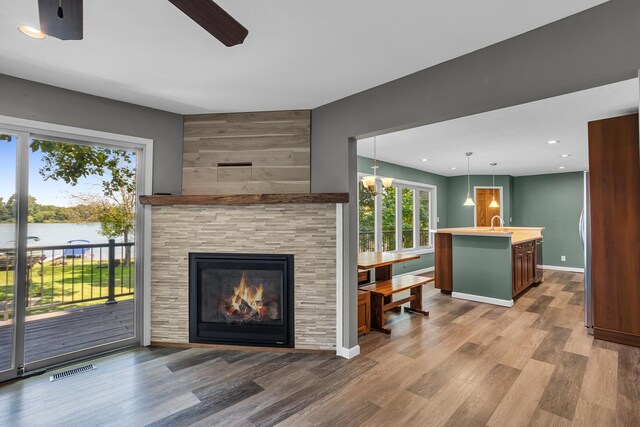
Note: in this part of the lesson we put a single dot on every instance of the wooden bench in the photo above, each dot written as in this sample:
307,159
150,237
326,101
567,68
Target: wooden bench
383,291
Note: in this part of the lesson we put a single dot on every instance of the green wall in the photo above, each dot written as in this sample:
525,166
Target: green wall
462,216
553,201
482,266
415,175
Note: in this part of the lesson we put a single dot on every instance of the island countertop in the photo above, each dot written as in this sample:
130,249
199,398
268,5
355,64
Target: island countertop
517,234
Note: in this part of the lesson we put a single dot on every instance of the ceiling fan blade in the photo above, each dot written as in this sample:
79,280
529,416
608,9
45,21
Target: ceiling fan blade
61,19
214,19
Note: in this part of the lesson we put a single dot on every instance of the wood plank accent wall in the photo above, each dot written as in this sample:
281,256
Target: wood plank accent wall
247,153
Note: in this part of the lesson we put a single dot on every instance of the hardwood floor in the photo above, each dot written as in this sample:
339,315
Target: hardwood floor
467,364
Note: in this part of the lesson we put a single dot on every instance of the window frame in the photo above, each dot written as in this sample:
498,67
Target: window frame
401,184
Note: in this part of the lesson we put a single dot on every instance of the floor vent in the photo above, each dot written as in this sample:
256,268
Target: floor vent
71,372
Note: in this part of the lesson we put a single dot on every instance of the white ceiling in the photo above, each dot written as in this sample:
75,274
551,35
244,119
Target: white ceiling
299,54
515,138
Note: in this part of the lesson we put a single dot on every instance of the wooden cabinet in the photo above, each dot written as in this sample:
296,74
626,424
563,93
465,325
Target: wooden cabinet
364,312
444,262
614,184
524,266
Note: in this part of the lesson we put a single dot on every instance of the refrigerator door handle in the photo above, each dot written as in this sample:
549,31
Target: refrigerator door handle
581,227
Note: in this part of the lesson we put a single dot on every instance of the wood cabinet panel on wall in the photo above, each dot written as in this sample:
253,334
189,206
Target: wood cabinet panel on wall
614,181
247,153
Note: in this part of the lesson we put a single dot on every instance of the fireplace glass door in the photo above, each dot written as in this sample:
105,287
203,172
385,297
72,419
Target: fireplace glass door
242,299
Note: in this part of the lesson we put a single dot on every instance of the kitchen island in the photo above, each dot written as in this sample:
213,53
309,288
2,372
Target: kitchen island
485,265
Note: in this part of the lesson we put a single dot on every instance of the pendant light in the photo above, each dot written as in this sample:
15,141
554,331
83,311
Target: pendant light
369,181
493,203
469,201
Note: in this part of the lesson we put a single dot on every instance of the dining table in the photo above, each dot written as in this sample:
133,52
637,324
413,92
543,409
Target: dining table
382,262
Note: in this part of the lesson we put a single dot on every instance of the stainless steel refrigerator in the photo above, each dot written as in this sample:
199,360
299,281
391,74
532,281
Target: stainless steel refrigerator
585,238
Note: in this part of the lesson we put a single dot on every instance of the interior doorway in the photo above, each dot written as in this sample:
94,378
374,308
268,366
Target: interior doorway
484,212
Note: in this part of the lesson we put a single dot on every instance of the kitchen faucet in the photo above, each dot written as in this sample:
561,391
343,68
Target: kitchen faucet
501,222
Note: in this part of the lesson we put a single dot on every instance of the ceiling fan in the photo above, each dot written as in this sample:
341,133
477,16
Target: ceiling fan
62,19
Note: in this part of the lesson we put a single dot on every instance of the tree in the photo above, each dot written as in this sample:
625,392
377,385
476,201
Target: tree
366,216
6,215
71,162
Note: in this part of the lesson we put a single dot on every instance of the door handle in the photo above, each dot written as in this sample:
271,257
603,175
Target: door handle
581,228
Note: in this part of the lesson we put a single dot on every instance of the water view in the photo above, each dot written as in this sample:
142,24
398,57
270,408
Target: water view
55,234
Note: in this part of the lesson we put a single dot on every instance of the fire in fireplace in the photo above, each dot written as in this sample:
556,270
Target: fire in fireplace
241,299
254,297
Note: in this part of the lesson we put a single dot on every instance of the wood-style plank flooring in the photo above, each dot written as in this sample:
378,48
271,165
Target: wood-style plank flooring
467,364
56,333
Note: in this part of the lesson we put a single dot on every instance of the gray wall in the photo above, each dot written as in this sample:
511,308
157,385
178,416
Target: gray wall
35,101
593,48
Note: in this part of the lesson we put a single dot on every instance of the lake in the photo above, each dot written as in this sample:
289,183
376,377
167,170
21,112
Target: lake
55,234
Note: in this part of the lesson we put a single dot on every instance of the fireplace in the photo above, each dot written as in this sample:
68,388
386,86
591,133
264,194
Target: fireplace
242,299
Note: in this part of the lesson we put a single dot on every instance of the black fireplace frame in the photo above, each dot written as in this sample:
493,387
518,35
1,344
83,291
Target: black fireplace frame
238,334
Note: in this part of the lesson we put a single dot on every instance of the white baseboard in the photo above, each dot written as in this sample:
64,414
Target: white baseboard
422,270
559,268
487,300
348,353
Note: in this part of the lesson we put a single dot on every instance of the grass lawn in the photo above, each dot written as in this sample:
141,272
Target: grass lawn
70,284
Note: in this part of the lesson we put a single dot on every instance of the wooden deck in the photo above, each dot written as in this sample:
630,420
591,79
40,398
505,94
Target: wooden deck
53,334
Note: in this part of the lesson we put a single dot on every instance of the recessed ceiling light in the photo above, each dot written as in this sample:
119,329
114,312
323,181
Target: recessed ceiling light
553,141
565,155
454,168
425,160
561,167
31,32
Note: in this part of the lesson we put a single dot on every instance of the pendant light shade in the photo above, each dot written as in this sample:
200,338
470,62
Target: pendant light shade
386,182
493,203
469,201
369,181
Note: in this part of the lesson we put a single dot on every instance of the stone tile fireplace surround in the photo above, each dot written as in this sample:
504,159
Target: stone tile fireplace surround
307,231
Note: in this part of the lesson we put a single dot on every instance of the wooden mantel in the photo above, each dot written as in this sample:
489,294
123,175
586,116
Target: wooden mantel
245,199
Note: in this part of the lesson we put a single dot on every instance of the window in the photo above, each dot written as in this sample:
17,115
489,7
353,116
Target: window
398,218
423,217
366,220
407,218
389,219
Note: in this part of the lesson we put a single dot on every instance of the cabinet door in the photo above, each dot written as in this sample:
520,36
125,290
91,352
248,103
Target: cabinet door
517,271
364,312
530,263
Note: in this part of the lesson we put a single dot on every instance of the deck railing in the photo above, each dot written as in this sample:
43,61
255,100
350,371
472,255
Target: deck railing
366,240
66,275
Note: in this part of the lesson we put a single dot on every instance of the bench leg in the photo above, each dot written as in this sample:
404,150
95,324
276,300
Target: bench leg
377,314
416,305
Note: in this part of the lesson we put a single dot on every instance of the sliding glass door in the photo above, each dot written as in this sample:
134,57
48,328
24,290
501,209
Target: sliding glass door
69,222
8,250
